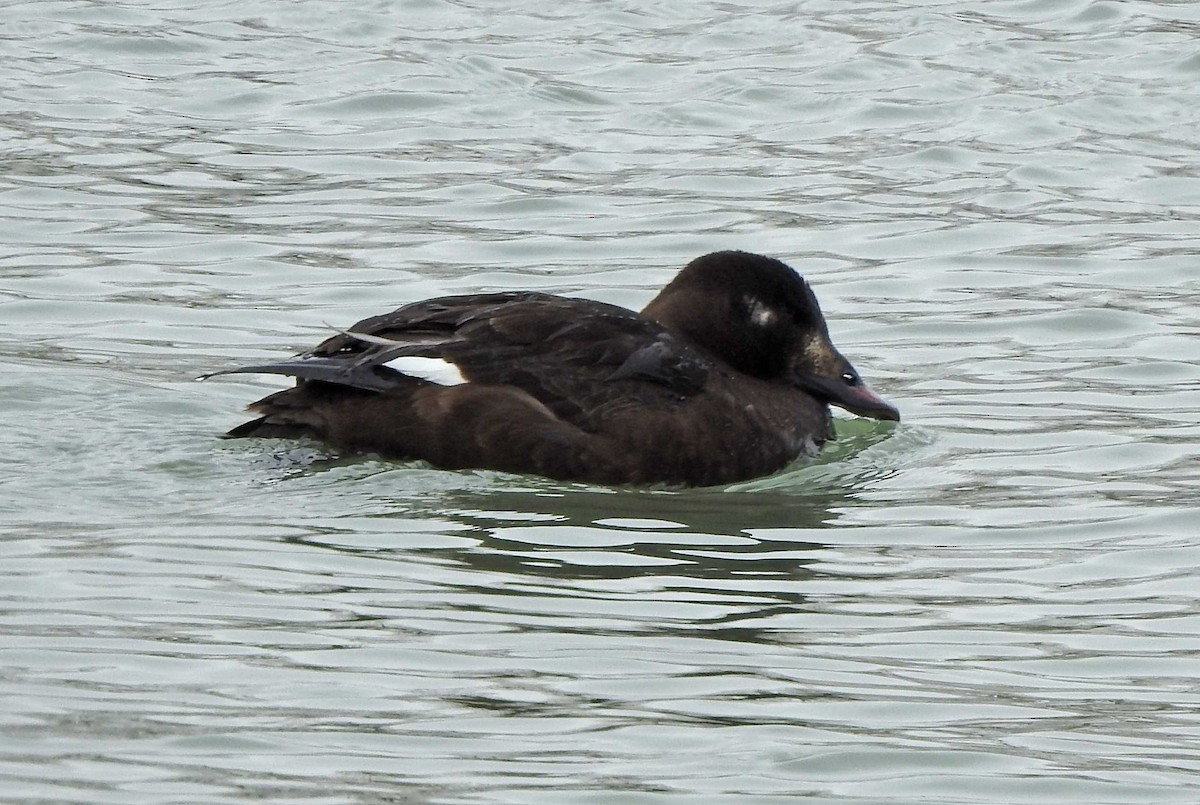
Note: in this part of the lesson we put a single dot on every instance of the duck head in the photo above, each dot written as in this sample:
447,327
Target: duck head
762,318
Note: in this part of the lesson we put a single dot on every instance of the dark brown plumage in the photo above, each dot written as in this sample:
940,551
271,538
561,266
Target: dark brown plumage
726,375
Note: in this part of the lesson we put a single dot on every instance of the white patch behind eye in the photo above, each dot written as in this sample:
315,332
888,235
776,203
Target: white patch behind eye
761,313
435,370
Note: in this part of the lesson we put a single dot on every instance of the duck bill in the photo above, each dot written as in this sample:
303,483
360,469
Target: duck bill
858,400
864,402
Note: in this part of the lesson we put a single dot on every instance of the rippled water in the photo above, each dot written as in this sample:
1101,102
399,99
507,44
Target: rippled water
996,601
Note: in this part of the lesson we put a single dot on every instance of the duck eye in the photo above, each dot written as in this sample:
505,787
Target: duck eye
850,379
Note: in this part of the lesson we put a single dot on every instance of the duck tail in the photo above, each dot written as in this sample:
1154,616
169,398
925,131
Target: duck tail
263,428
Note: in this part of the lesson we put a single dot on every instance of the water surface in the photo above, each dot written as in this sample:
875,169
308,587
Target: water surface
995,601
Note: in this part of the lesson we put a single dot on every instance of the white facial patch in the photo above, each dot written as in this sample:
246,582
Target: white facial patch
435,370
761,313
815,349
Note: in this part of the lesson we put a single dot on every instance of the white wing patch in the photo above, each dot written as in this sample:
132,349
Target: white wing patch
435,370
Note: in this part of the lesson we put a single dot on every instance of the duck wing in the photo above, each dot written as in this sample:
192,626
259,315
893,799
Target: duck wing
572,355
357,357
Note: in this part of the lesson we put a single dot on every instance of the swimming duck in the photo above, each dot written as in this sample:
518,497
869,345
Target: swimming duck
728,374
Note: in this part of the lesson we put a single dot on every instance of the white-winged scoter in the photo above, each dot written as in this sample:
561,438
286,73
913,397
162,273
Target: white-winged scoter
727,374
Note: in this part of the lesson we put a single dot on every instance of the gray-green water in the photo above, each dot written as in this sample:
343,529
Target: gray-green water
995,602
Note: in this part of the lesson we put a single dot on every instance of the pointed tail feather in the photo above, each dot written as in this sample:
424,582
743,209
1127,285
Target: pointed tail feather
261,428
330,370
